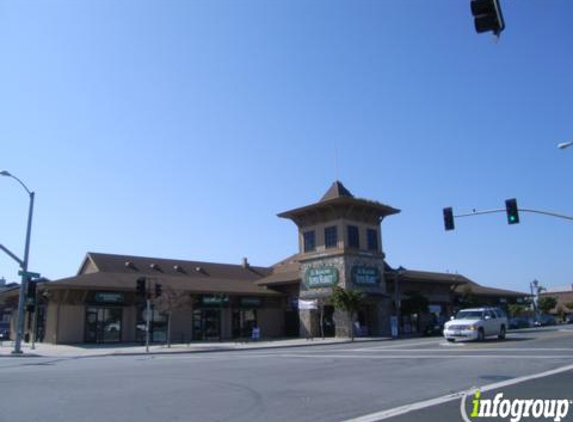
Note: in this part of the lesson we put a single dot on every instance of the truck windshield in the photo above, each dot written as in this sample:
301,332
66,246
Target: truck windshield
469,314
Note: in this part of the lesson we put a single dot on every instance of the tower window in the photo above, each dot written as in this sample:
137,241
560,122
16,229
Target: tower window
331,237
372,239
353,237
309,241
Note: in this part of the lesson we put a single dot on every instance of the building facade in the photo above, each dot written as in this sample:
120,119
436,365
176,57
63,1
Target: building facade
340,244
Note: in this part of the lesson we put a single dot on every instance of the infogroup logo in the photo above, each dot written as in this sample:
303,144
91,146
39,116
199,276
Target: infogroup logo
514,409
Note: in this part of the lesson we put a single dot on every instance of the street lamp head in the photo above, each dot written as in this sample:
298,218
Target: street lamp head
564,145
5,173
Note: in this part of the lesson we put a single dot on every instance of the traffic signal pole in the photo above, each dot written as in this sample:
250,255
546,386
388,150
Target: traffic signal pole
552,214
511,210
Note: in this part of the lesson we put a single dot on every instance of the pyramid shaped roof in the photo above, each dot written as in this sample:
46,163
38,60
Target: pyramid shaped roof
336,190
335,201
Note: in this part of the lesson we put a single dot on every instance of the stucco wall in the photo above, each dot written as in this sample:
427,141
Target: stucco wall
72,321
271,322
181,325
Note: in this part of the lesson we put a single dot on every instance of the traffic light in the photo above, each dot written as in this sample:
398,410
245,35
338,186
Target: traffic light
512,211
31,292
141,286
449,218
158,290
487,16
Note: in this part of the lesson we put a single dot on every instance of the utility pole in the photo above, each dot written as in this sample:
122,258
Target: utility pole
23,264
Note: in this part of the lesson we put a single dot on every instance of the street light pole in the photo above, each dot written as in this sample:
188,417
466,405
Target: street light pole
24,266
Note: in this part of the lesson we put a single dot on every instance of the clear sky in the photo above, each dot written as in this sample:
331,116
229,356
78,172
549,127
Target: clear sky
179,129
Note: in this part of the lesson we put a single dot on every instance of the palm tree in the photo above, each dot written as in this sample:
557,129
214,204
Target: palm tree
349,301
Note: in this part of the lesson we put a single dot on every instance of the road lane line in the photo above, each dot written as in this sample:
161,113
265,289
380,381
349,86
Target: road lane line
488,349
457,356
420,343
386,414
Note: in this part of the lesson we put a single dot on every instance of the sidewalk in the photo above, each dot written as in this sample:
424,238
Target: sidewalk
94,350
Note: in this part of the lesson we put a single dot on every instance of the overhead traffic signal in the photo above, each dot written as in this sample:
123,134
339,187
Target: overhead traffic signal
512,211
487,16
449,218
140,289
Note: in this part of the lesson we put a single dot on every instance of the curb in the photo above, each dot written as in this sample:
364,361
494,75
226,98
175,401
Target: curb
175,352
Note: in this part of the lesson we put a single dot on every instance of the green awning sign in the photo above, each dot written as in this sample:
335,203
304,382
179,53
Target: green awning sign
250,302
321,277
215,300
109,297
368,276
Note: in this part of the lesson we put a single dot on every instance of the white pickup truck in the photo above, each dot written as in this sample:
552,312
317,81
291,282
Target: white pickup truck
476,324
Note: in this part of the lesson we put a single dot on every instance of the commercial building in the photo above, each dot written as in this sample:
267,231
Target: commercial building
563,296
340,244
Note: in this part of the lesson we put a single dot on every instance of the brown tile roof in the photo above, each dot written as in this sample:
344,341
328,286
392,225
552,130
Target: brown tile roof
288,271
422,276
337,195
488,291
126,282
283,272
336,191
120,272
173,267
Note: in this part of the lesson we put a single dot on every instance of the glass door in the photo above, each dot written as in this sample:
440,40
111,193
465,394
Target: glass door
206,324
103,325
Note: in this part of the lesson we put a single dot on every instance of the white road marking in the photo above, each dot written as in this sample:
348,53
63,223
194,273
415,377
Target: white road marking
385,414
392,346
448,344
484,349
402,356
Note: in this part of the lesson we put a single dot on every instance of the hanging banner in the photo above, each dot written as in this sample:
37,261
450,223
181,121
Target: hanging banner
307,304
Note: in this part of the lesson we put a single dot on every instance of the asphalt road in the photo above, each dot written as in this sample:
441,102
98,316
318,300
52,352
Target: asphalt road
337,383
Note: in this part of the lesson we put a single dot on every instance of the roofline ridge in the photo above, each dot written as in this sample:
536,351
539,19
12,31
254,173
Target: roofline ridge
151,258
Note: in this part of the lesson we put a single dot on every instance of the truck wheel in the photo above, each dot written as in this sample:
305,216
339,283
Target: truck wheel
501,334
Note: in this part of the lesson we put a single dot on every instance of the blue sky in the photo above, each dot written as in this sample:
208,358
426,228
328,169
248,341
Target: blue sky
180,129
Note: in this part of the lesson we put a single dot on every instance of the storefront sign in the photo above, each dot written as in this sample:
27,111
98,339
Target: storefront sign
251,302
109,297
321,277
365,275
215,300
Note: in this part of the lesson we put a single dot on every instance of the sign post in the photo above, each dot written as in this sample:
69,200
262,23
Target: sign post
147,318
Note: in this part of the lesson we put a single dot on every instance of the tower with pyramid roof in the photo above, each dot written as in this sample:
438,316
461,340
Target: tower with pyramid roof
340,244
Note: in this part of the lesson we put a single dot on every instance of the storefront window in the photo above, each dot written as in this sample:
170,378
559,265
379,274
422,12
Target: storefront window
243,322
207,324
157,325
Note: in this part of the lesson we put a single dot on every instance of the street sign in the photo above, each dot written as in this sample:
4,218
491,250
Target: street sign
29,274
